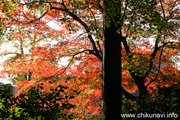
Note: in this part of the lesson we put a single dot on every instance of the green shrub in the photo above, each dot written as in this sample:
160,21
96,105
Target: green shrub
9,113
5,91
97,117
167,101
36,105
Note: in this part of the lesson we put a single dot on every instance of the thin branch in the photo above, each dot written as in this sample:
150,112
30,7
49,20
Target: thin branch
162,8
38,19
172,11
99,5
99,47
159,67
58,74
159,61
126,5
127,94
12,53
77,37
152,80
53,2
95,23
156,48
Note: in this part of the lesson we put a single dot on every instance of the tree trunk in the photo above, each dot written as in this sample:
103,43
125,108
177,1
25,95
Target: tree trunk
112,72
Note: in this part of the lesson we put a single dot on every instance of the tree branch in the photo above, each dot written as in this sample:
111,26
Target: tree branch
172,11
12,53
156,48
127,95
84,25
159,64
162,8
38,19
58,74
100,50
99,5
126,46
76,18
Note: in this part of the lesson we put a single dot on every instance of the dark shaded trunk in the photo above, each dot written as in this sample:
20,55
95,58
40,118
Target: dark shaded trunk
112,72
140,82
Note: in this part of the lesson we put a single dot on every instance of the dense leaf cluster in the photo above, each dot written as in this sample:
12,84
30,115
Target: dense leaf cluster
36,104
166,102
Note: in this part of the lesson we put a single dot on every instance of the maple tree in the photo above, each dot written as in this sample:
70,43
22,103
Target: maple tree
148,31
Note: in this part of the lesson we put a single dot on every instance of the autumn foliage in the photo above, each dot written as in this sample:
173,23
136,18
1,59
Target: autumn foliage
149,49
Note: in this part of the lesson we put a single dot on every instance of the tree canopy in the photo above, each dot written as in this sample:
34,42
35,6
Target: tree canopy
148,31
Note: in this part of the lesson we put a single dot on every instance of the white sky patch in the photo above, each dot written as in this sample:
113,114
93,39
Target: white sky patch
48,42
5,47
178,65
63,61
176,59
53,24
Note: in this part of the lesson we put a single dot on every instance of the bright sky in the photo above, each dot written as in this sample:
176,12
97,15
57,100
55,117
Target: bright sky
5,47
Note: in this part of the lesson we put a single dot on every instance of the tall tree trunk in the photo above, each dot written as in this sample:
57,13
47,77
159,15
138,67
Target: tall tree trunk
111,70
